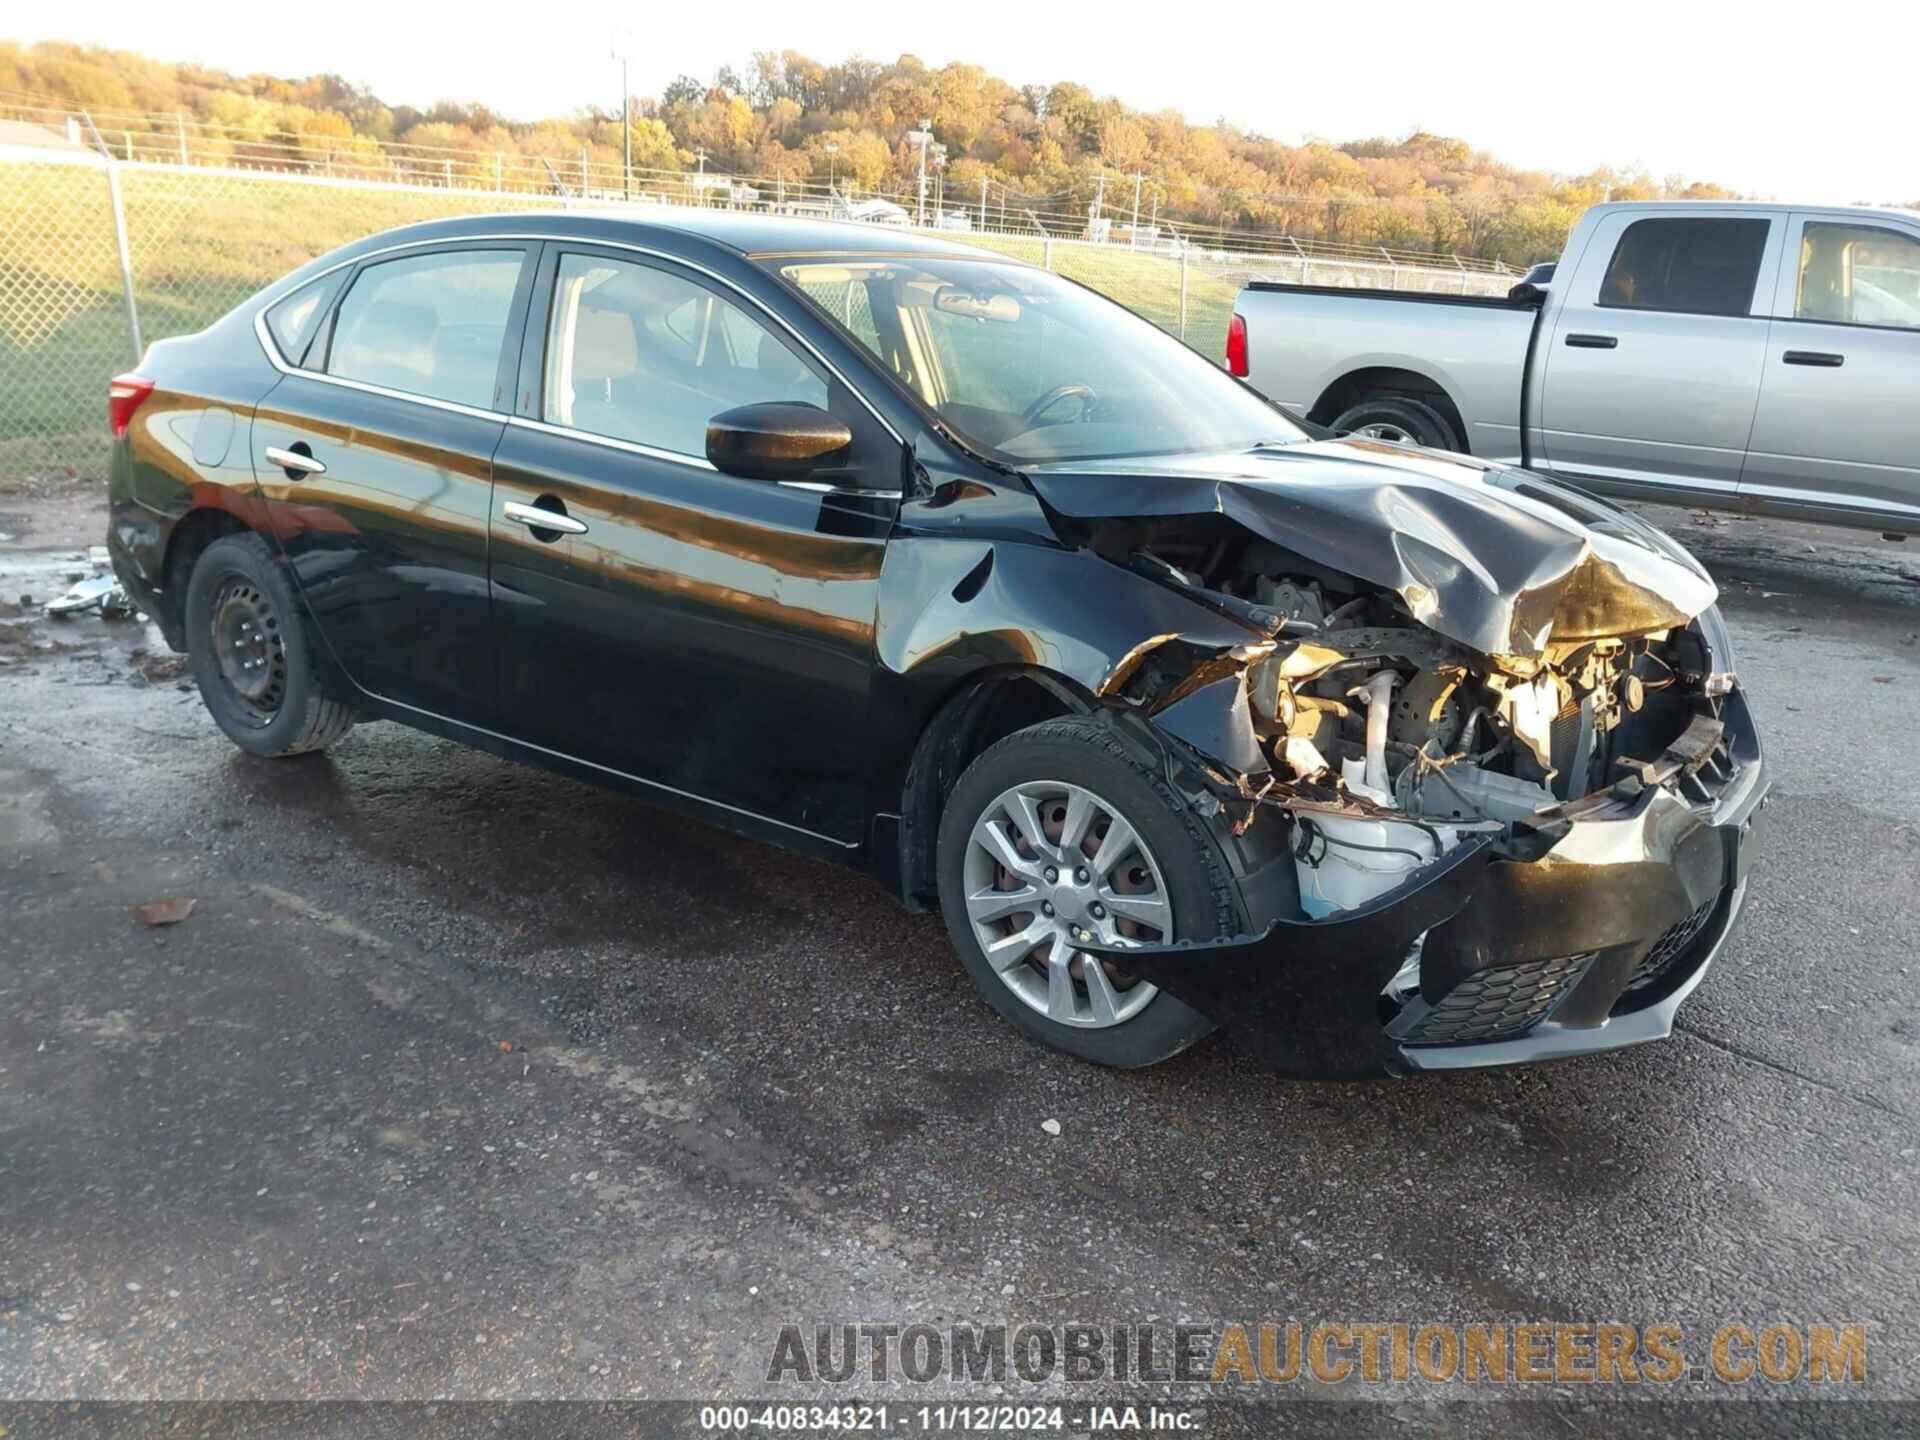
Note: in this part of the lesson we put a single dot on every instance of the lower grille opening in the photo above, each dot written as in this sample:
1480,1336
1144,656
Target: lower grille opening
1497,1004
1674,944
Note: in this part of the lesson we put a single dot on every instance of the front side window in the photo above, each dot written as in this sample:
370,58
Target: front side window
1858,275
1695,267
641,354
1029,366
431,325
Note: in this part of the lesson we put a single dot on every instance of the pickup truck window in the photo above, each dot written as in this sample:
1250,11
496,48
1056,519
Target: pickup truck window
1697,267
1028,366
1858,275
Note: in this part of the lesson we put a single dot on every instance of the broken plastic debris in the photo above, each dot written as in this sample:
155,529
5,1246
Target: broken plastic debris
96,592
1305,758
170,911
1052,1127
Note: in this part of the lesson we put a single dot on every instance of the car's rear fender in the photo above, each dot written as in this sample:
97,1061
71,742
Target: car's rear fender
182,475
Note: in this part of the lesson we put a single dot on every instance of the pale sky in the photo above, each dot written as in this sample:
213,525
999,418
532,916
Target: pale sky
1801,104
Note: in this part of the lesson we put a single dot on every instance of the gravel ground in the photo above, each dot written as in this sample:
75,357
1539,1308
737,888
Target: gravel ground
464,1080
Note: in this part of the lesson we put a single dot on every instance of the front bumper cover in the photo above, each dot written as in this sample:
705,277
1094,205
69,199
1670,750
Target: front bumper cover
1590,947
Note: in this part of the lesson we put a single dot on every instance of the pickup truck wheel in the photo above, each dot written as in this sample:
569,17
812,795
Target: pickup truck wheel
1398,419
1058,833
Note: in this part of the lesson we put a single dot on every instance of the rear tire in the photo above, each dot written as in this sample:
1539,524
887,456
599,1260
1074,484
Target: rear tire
1176,861
1399,419
249,650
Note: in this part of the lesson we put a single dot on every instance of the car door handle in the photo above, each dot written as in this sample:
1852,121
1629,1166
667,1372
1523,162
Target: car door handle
1593,342
295,462
535,517
1825,359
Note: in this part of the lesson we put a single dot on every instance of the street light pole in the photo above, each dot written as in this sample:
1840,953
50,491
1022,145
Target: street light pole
1133,236
622,43
833,150
922,137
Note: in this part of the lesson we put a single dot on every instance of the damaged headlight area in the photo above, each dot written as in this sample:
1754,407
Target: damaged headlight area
1498,857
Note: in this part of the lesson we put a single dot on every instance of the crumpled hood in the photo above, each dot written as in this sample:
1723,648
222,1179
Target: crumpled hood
1502,560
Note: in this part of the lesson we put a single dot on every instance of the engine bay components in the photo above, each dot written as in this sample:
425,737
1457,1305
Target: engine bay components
1385,741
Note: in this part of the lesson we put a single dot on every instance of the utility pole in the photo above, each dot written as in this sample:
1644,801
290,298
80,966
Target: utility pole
180,127
833,150
922,137
622,44
1099,199
1133,235
939,184
983,202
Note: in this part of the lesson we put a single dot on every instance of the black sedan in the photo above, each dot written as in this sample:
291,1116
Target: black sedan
940,566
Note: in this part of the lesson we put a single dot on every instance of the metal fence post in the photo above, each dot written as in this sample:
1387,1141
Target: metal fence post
1183,292
126,259
120,238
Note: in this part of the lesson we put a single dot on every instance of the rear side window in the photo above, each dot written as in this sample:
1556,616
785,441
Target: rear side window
294,320
431,325
1700,267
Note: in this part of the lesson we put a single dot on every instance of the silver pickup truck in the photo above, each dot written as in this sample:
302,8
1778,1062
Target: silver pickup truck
1748,357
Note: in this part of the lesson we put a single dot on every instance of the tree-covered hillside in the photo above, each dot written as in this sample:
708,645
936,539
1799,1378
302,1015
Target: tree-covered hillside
1051,149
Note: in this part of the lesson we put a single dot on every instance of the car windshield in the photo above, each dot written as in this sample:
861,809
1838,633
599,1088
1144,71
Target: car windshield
1031,368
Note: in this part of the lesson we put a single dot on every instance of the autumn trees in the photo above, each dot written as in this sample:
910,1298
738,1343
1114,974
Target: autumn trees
791,120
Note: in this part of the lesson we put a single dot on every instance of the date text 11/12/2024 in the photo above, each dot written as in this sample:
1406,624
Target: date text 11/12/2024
963,1419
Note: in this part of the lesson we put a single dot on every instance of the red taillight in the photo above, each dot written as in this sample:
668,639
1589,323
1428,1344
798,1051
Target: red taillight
124,394
1237,346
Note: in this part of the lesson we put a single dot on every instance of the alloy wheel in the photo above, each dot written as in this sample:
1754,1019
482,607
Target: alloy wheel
1051,867
1388,431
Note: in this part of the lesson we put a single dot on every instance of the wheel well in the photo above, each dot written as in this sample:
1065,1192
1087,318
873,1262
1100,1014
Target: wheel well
192,534
1350,390
982,713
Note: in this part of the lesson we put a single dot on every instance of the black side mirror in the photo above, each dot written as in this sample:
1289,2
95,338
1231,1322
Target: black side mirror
779,440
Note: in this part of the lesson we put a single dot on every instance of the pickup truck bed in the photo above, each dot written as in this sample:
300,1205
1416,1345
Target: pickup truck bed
1330,346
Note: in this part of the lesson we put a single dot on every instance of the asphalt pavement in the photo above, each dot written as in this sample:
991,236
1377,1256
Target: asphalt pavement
465,1080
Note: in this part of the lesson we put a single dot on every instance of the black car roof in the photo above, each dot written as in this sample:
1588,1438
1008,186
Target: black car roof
745,233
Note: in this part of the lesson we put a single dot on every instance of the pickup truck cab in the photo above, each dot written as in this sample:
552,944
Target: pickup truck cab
1738,356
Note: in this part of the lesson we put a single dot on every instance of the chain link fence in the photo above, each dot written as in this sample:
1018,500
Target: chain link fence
86,279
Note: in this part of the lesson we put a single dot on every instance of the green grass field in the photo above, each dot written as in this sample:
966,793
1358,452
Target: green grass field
202,241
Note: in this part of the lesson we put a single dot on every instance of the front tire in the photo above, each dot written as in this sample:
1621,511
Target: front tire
250,653
1398,419
1062,830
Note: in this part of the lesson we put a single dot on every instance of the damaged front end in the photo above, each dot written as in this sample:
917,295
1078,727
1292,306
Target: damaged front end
1518,813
